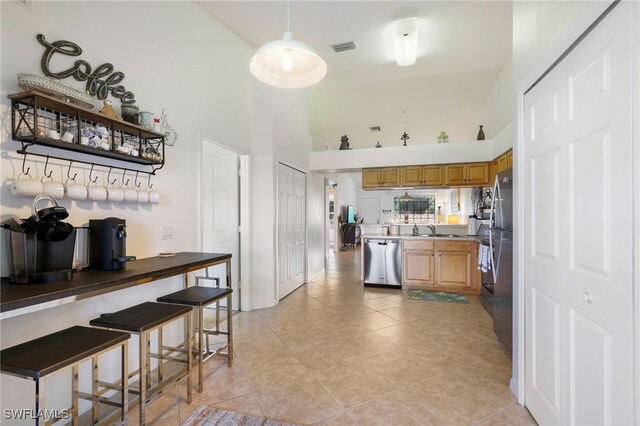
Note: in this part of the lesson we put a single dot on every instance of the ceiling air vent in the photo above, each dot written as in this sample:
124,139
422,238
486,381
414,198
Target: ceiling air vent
374,128
343,47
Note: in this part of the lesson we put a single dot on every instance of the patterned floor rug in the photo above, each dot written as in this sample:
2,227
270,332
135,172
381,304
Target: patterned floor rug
432,296
207,416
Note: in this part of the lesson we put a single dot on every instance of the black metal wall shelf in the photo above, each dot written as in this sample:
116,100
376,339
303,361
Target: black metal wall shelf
39,119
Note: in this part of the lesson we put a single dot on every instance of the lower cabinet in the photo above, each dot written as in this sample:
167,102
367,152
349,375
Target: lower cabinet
440,265
418,263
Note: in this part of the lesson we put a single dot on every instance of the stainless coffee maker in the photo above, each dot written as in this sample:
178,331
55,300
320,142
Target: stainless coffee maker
108,244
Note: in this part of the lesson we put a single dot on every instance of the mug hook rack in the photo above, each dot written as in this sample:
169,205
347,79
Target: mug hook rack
27,169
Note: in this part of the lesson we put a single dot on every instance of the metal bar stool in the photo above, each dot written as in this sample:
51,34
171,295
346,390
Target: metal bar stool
141,320
198,298
40,358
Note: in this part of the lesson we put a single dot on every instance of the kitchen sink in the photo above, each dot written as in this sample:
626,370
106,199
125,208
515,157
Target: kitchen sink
441,235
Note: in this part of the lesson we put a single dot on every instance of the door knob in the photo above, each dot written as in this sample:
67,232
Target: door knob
587,297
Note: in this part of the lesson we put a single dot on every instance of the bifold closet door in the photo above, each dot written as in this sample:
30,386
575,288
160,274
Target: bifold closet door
291,229
579,254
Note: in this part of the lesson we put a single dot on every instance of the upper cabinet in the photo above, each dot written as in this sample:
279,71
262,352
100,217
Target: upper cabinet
467,174
502,162
385,177
427,176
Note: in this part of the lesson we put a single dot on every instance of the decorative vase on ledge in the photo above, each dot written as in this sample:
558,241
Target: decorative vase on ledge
480,134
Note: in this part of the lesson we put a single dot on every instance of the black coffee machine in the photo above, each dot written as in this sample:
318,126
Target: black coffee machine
108,244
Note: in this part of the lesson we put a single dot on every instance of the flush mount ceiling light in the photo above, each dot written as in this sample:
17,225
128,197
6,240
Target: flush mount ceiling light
405,34
287,63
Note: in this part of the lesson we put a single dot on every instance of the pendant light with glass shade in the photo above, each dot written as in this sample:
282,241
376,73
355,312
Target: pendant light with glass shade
287,63
405,197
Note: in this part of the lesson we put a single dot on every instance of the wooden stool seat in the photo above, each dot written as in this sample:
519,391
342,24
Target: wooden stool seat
41,357
197,298
141,320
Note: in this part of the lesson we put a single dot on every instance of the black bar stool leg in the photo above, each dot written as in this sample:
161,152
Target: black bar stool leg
40,398
161,353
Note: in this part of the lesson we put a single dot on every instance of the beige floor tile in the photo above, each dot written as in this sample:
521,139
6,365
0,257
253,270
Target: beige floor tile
170,421
354,384
303,401
306,336
246,404
164,407
375,320
340,419
220,384
403,368
323,356
515,415
396,408
274,372
461,399
380,303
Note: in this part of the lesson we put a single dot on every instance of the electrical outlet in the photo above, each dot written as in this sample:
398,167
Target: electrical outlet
166,232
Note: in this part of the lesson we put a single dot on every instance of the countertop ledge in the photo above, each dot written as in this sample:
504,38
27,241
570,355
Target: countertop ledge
90,283
422,237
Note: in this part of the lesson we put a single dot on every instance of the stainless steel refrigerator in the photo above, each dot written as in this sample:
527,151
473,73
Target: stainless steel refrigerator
502,240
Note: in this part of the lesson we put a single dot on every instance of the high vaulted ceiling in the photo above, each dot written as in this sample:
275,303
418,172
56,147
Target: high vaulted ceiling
453,35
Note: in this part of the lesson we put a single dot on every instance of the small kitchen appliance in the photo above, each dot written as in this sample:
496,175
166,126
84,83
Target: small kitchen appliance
108,244
41,247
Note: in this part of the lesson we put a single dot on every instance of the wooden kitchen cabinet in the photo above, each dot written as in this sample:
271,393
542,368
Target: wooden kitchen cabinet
418,263
501,163
381,177
467,174
510,158
442,265
422,176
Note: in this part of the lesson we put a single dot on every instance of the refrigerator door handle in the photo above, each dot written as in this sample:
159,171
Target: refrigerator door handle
496,203
493,262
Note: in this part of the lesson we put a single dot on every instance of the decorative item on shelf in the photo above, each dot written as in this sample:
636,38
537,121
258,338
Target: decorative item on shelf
443,138
480,134
156,125
414,231
130,113
39,83
170,135
146,119
108,110
344,143
404,138
378,145
100,82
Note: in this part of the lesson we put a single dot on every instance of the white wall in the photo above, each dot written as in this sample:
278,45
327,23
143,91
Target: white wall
279,134
354,160
446,102
315,224
498,109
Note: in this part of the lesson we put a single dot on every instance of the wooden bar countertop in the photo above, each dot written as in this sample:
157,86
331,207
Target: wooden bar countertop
16,299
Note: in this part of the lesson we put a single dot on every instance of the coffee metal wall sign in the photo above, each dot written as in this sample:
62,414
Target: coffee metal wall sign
100,81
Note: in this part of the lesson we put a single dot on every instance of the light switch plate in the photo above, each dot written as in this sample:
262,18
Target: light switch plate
166,232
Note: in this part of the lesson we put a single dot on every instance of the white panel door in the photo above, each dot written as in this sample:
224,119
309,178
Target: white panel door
543,257
579,254
600,199
220,212
291,229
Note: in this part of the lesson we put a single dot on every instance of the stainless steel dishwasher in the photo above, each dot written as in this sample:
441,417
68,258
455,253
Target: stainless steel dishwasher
382,262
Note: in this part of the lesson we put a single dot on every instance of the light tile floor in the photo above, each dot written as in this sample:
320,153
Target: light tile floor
334,353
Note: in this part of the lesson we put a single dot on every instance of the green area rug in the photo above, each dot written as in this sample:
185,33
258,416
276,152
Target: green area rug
432,296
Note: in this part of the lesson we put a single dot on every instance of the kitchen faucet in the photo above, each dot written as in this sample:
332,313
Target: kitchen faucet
432,229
